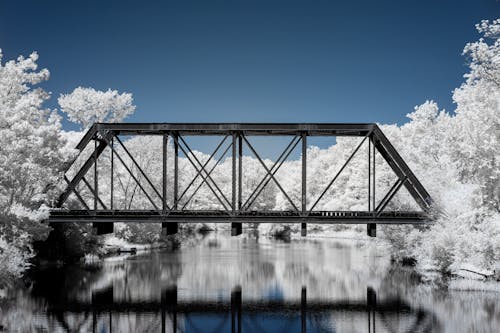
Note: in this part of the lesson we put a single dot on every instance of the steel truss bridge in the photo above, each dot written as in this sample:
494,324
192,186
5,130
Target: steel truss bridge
236,209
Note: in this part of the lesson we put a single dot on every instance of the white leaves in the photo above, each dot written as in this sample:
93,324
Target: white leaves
30,155
485,58
490,30
86,106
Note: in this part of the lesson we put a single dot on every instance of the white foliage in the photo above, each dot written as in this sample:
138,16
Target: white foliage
32,148
13,260
86,106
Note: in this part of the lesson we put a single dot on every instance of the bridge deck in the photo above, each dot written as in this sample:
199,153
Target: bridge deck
219,216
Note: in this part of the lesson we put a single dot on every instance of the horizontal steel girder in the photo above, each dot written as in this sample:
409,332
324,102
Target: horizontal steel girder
245,128
220,216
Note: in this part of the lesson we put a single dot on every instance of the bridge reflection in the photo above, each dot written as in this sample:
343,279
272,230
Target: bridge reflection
235,314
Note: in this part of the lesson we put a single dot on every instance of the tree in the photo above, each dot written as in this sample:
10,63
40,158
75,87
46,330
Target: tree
30,137
86,106
32,154
478,115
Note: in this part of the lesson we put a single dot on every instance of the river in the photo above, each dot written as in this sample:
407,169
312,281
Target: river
245,284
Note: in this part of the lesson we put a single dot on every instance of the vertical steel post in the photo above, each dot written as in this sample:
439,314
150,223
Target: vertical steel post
164,176
112,180
236,227
369,172
304,172
176,170
371,229
233,177
240,171
303,229
95,173
374,179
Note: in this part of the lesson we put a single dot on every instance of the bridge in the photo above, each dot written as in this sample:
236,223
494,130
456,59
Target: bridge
235,208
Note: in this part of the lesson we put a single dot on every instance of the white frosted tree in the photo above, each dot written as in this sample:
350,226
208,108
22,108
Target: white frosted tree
477,144
86,106
30,137
31,156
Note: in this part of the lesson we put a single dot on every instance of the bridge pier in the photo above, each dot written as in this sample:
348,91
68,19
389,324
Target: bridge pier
303,229
102,228
169,228
236,228
371,229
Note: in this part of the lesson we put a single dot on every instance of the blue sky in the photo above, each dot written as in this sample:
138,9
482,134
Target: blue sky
252,61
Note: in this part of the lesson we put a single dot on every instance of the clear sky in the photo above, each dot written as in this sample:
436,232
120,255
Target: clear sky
252,61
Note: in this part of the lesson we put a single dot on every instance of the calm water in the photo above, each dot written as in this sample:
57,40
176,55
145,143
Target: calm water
243,284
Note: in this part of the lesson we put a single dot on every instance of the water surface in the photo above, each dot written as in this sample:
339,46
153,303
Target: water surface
245,284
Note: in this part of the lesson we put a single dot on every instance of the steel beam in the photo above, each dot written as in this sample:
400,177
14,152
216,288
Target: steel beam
220,216
369,173
79,197
176,171
132,174
94,193
270,174
203,182
96,179
303,226
240,171
338,174
199,171
374,176
304,173
112,178
398,165
139,168
204,177
274,169
164,173
266,129
83,170
233,176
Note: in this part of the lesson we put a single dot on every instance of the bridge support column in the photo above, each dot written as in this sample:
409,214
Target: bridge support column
101,228
371,229
170,228
303,229
236,228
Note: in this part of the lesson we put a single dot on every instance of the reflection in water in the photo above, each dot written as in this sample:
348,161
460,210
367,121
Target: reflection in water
244,285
